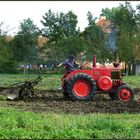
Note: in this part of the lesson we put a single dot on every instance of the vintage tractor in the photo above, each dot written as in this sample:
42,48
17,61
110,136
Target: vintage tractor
85,84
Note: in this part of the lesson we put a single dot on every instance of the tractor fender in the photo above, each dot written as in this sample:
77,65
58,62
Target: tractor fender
71,74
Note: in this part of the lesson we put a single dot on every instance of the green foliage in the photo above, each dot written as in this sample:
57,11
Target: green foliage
123,17
59,25
125,20
63,49
109,13
90,18
28,27
96,39
5,53
21,125
24,45
126,31
7,64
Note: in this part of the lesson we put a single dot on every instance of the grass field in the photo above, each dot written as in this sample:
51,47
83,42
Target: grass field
24,124
52,81
16,124
49,82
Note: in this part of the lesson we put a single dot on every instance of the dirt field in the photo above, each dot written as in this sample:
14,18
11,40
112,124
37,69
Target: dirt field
53,101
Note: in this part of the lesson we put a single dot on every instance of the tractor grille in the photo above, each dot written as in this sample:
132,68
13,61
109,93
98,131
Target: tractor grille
115,75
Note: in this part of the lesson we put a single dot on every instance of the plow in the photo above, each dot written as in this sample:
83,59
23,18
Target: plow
20,90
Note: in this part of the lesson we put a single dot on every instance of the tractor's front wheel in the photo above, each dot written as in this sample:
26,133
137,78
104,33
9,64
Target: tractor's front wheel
125,93
81,87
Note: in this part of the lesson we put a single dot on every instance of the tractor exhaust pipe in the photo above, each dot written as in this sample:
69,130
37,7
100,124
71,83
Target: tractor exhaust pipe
116,62
94,61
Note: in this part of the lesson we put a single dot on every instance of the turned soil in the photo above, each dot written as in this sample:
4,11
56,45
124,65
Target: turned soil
54,101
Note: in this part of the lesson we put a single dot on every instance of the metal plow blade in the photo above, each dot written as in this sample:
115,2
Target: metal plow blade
12,96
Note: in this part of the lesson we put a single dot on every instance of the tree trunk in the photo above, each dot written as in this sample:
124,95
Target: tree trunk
24,69
125,68
133,67
129,68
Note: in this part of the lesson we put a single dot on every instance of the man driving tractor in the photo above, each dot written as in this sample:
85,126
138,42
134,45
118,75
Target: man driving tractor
69,64
71,61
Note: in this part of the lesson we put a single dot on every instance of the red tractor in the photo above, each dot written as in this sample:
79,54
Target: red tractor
85,84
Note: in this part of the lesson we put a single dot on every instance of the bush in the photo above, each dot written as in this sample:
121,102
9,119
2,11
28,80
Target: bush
8,67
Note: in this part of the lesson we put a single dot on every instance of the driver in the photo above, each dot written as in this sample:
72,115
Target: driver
69,64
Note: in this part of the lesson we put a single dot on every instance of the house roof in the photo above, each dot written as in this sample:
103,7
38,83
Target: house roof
42,41
104,23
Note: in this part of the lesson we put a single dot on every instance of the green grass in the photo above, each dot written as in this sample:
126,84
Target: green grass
133,81
48,82
17,124
9,79
52,81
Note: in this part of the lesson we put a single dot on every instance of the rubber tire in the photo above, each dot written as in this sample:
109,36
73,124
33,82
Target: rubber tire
70,84
112,94
124,87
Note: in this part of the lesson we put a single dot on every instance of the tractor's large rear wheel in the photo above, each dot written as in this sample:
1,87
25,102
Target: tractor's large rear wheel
125,93
81,87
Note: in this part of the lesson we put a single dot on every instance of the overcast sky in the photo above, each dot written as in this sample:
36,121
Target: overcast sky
13,12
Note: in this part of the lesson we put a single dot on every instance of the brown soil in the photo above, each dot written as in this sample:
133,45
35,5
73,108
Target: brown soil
54,101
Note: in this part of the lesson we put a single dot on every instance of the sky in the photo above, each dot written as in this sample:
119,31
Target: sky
13,12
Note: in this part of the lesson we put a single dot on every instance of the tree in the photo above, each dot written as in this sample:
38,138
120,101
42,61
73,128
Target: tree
7,63
95,38
24,45
137,35
124,21
59,25
55,53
